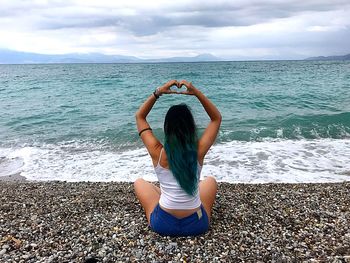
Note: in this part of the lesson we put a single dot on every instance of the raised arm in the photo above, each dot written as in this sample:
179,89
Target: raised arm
208,137
152,144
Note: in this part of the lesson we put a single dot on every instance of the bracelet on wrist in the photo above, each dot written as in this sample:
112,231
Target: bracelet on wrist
157,91
155,95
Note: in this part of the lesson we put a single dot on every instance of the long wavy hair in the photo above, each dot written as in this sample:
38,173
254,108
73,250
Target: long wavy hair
181,146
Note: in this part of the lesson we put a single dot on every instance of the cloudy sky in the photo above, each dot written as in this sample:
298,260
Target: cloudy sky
243,29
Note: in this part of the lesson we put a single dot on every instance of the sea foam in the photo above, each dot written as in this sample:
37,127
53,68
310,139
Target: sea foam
287,161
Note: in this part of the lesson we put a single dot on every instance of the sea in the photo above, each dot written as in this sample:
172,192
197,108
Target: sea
283,121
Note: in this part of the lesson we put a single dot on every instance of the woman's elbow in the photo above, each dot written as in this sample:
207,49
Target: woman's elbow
218,118
138,115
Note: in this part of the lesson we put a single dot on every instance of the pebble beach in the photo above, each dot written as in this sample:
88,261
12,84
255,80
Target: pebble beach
103,222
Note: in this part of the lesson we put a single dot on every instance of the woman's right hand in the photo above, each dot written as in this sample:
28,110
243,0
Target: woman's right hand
191,90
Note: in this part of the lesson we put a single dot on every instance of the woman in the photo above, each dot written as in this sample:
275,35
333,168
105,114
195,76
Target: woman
182,205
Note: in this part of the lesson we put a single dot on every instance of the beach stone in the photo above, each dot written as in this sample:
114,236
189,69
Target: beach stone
3,251
347,259
33,245
306,224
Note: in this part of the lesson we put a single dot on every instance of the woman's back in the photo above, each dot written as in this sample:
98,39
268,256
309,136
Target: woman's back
172,195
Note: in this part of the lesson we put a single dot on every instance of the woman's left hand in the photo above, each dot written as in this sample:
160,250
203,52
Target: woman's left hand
165,89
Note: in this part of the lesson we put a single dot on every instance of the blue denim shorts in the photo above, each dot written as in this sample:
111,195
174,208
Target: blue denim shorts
166,224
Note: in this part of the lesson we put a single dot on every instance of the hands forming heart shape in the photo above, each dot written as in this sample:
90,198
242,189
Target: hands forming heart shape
167,88
178,87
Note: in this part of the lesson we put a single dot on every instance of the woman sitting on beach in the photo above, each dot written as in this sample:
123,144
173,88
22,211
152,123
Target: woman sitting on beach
182,205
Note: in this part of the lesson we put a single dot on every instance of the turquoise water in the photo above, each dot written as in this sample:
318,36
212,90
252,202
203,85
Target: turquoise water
63,121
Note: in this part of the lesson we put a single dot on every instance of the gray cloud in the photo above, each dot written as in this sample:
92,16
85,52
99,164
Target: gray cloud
139,25
59,15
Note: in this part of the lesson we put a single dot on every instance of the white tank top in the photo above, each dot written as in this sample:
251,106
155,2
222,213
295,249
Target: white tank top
172,195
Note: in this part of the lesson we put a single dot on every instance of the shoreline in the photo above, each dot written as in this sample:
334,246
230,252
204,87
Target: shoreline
59,221
17,177
280,160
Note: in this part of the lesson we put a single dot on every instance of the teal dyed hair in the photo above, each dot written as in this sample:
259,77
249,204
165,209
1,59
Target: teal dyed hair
181,146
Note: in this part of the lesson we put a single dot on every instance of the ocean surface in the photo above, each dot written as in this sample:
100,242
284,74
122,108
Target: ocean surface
283,121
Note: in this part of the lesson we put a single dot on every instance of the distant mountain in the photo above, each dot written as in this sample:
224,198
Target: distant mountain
199,58
345,57
16,57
